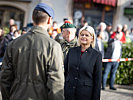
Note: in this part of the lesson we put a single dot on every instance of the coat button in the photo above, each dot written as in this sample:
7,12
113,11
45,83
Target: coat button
74,87
77,68
76,78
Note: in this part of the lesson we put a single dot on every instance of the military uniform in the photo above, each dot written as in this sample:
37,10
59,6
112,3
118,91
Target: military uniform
65,45
32,68
59,38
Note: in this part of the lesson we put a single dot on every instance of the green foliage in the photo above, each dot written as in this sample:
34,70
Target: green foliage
6,30
124,73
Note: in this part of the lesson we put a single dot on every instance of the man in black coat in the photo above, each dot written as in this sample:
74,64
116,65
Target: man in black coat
114,51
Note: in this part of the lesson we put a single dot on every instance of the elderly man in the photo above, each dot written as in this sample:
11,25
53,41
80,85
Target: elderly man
101,30
114,51
120,33
33,63
11,22
69,36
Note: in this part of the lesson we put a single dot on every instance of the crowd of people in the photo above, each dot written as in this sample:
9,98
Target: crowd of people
33,58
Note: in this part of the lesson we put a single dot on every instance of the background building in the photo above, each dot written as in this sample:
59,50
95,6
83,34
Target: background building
93,11
21,10
119,17
108,11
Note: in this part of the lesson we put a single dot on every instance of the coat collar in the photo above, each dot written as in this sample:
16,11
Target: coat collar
88,49
38,29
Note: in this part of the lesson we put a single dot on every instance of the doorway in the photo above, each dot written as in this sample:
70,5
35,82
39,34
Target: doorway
8,12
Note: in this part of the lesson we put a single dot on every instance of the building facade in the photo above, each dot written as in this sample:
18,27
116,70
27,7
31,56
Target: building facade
93,11
21,10
108,11
119,17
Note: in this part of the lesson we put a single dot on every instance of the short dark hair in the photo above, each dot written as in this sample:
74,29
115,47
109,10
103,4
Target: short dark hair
65,19
39,16
84,21
54,22
13,26
16,31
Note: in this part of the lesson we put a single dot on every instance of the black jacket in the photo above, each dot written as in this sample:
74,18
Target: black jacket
83,74
4,42
110,49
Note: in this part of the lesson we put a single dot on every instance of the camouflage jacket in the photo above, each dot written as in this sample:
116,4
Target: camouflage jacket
65,45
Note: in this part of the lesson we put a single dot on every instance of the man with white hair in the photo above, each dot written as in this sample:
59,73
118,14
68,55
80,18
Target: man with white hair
113,51
104,34
11,22
69,36
120,33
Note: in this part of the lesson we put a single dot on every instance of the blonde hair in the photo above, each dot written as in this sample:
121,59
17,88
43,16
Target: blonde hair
91,31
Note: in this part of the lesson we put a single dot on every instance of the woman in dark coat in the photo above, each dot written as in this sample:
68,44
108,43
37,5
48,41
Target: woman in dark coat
83,66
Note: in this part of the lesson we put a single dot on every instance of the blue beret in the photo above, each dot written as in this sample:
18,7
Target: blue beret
45,8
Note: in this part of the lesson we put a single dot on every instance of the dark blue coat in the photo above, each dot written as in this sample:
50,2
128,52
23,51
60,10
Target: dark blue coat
4,42
83,74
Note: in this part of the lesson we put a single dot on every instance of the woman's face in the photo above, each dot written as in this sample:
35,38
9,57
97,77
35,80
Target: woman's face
13,29
85,38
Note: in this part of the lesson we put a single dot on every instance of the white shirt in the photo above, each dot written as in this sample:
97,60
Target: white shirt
99,44
117,50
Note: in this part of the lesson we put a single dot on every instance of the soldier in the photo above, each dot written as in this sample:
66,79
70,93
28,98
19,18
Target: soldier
32,64
69,36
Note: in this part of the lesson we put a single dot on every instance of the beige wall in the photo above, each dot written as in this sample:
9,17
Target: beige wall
62,8
30,10
119,17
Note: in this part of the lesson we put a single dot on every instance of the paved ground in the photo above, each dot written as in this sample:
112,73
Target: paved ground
122,93
0,96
